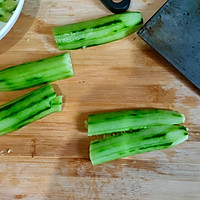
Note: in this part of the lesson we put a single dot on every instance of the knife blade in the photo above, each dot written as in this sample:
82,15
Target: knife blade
174,31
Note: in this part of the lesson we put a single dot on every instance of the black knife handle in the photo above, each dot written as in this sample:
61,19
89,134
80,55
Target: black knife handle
117,8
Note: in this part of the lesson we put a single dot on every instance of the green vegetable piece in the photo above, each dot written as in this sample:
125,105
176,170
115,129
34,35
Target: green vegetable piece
4,15
28,108
98,31
36,73
111,122
136,142
9,5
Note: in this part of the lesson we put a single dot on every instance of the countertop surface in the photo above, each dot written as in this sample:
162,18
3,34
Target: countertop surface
48,159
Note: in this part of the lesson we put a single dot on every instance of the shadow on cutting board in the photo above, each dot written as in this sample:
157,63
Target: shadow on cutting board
76,178
22,25
154,55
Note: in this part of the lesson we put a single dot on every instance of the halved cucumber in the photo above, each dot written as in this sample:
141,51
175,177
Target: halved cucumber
28,108
97,31
120,121
36,73
136,142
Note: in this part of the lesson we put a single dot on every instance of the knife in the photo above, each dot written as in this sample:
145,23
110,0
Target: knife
174,31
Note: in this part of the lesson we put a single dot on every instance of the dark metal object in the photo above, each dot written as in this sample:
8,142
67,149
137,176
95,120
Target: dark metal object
174,31
120,7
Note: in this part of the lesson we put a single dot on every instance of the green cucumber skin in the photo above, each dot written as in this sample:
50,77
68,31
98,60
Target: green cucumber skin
136,142
120,121
28,108
36,73
106,123
97,31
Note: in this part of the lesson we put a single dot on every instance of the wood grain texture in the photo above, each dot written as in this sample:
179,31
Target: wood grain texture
49,158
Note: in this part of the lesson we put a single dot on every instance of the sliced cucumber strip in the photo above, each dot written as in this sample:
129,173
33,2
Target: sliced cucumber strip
36,73
98,31
136,142
111,122
28,108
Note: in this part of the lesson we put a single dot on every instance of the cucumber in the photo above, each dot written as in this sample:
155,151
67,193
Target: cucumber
28,108
120,121
136,142
6,9
36,73
9,5
4,15
97,31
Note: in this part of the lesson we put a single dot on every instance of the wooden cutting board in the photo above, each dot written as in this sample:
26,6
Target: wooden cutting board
48,159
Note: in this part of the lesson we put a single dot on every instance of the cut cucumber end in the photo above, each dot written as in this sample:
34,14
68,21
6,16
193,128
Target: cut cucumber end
56,103
179,137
